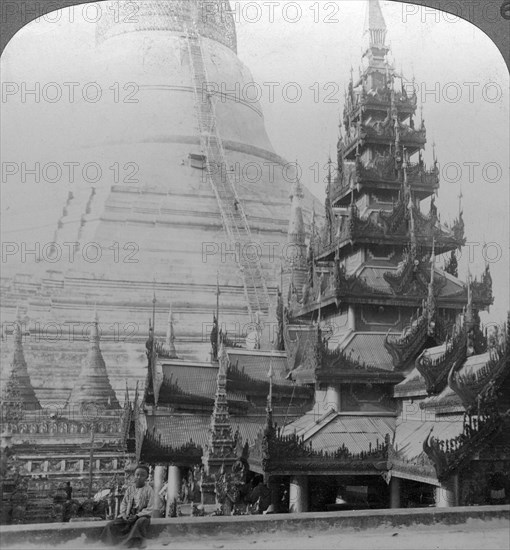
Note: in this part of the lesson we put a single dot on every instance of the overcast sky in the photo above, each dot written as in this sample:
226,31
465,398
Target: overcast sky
468,119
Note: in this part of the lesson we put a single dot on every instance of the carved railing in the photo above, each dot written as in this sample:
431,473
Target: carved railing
450,455
382,169
385,131
63,426
381,97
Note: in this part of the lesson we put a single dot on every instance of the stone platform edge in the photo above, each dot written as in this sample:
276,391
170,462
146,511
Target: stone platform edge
57,533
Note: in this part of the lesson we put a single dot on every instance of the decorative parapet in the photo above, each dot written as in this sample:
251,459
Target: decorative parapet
378,99
382,132
449,455
64,427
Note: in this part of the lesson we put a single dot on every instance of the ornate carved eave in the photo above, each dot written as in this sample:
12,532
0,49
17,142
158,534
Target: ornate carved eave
484,382
417,467
170,393
336,365
435,371
388,227
409,278
380,100
404,347
482,290
448,456
273,452
239,381
153,450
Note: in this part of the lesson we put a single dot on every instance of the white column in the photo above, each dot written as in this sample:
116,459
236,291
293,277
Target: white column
395,492
298,494
332,399
351,319
446,495
159,481
173,487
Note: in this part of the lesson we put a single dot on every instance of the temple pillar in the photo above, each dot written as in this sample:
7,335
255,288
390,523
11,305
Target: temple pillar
395,485
446,496
173,488
159,481
274,487
298,494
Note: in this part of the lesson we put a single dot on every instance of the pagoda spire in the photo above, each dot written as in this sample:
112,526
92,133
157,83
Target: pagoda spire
93,385
18,382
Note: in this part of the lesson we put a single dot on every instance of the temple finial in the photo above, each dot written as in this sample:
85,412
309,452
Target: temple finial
94,331
375,25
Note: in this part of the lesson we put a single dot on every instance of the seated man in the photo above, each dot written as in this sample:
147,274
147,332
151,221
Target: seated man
131,526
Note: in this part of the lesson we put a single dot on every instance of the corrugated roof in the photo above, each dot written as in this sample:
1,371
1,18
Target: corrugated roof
474,363
413,384
192,379
357,433
374,276
178,429
410,434
368,348
257,366
332,430
443,401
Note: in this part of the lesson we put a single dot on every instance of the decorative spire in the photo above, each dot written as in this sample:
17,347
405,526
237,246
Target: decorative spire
412,230
221,443
18,383
375,25
431,305
170,337
93,386
270,375
296,233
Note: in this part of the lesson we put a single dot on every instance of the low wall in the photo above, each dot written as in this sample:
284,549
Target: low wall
58,533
